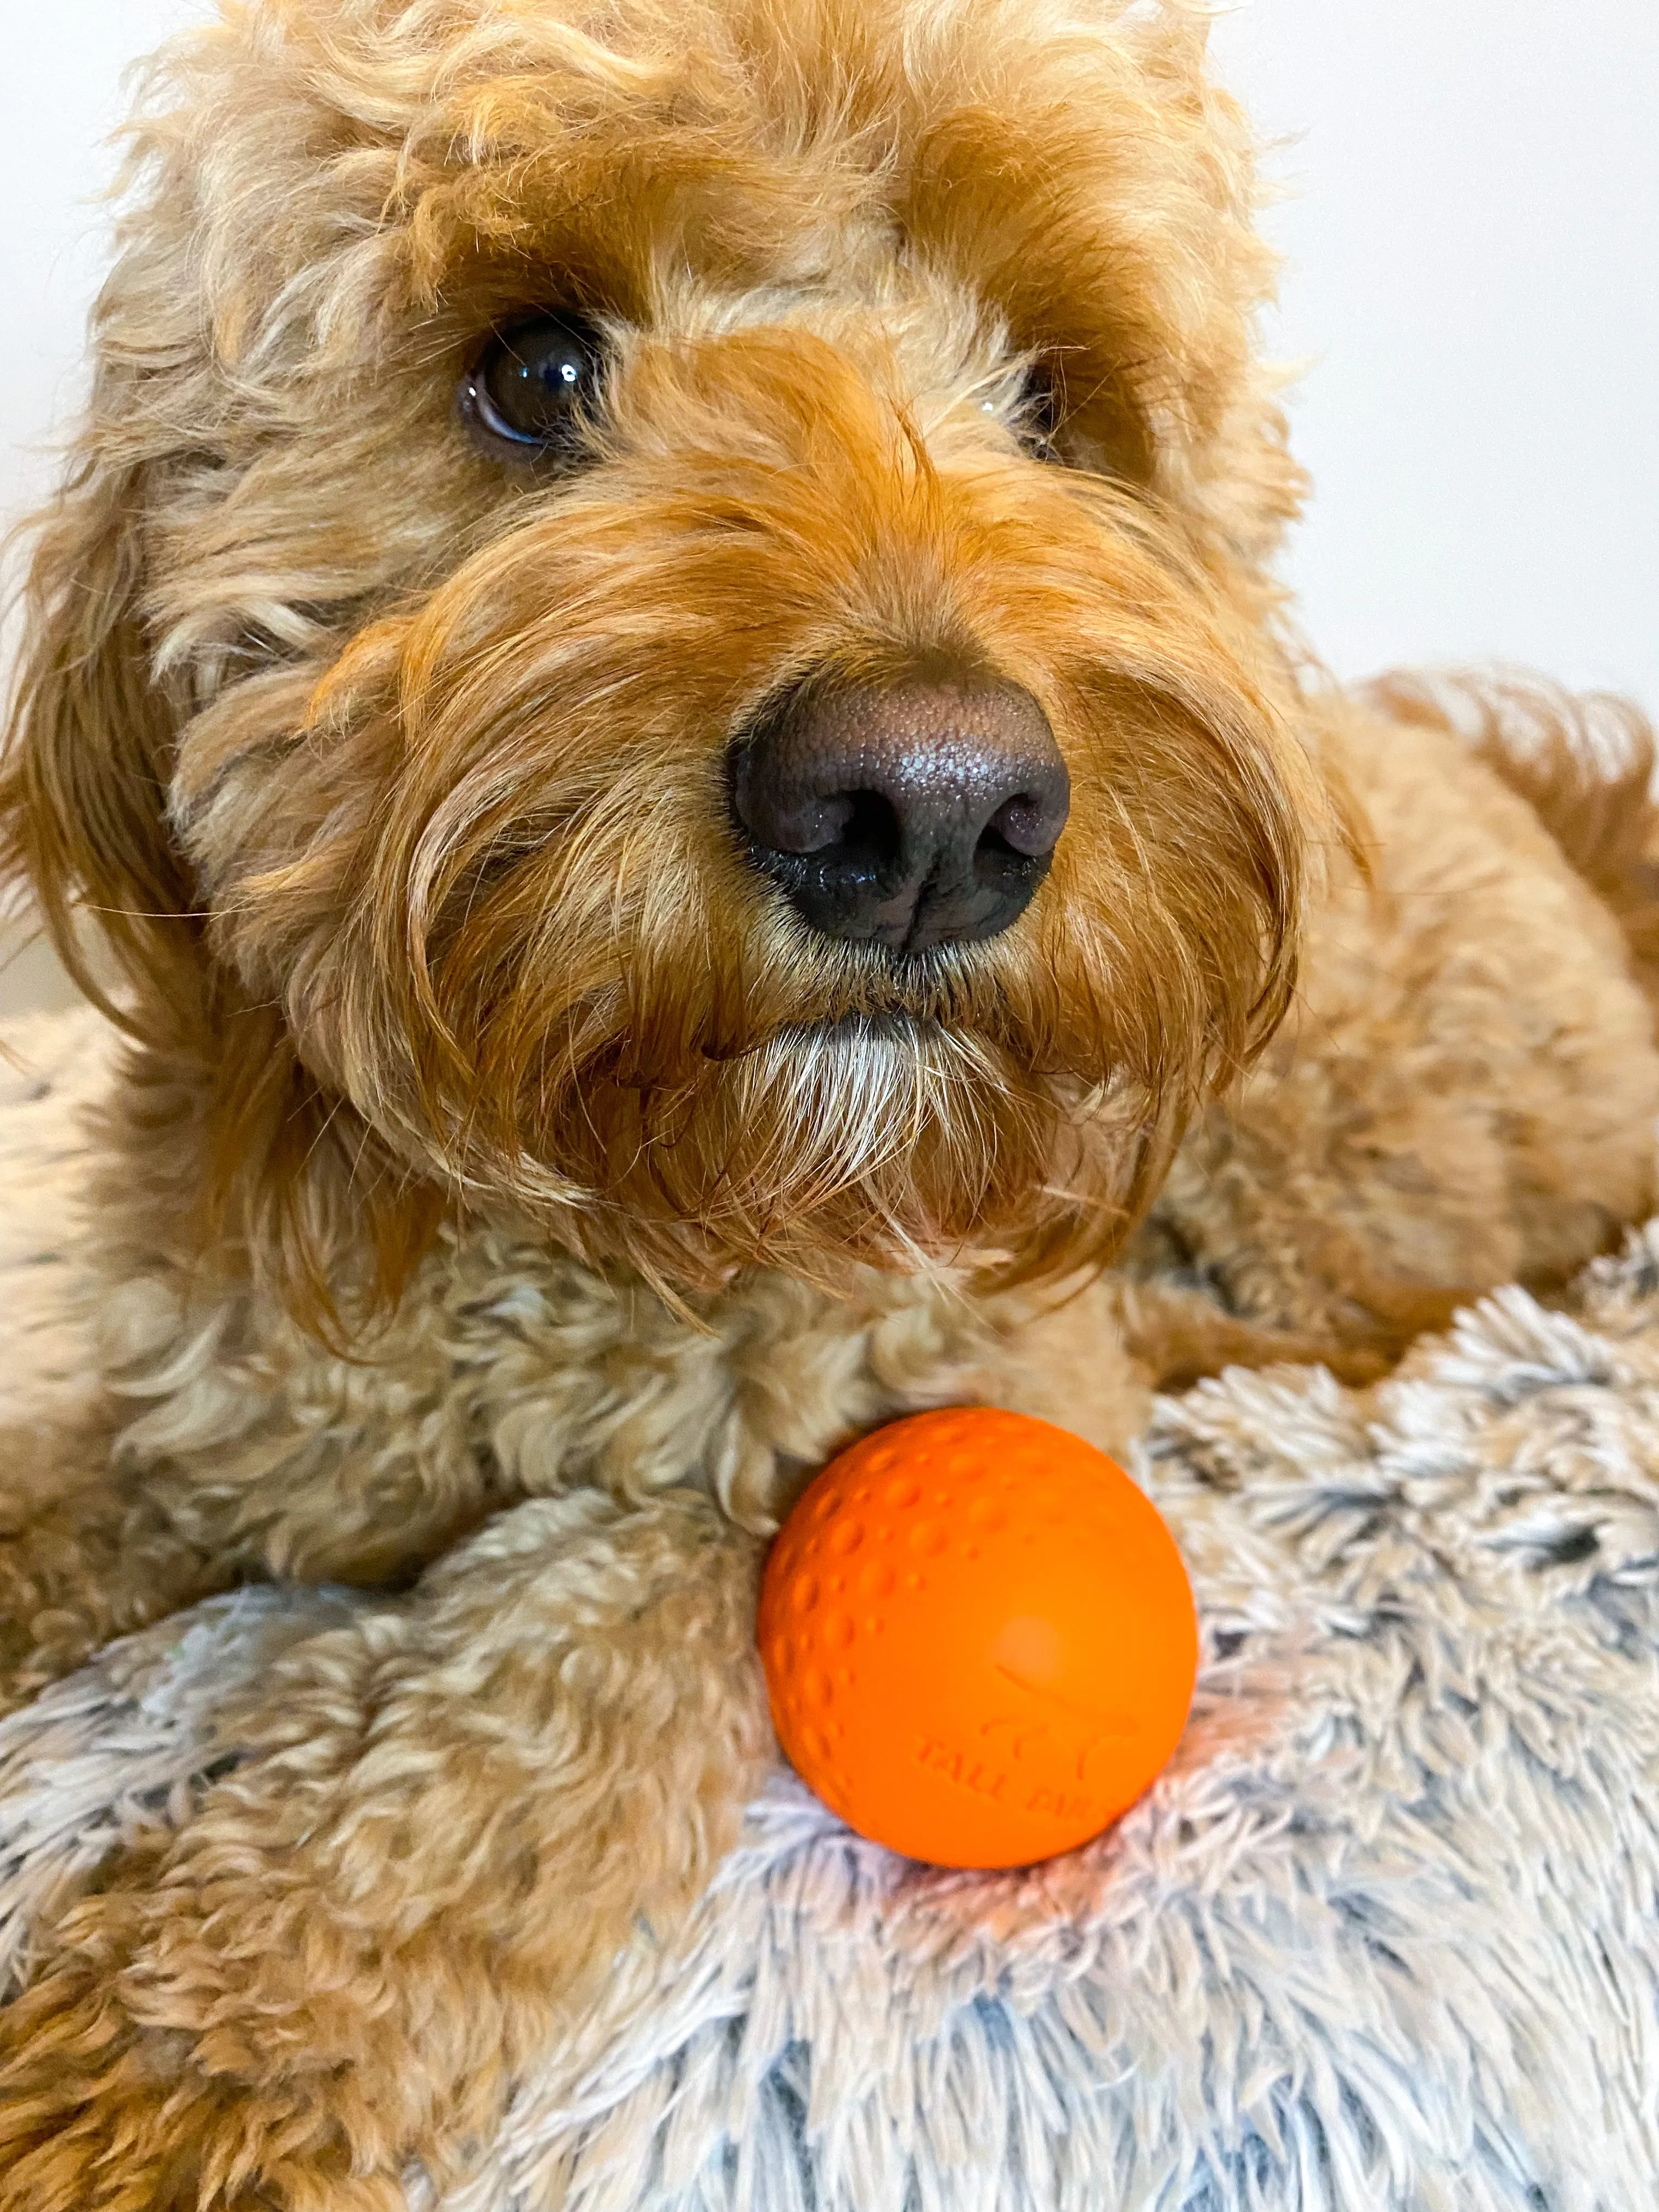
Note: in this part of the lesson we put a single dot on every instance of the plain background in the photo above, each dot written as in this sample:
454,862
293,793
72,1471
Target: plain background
1472,284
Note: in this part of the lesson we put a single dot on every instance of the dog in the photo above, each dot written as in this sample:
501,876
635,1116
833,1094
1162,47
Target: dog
658,671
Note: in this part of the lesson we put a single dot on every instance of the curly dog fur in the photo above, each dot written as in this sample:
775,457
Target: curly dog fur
509,1202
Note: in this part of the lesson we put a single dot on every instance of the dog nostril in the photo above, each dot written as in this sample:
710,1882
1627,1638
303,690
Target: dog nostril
1022,827
871,835
910,815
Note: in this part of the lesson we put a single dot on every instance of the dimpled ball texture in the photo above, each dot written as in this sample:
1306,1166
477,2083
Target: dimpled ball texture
979,1638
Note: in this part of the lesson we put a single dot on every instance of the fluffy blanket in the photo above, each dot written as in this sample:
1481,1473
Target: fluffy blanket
1385,1935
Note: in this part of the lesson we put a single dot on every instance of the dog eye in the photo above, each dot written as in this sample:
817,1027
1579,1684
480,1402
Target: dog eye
534,384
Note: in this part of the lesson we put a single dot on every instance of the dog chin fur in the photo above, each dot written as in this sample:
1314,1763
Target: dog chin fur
508,1199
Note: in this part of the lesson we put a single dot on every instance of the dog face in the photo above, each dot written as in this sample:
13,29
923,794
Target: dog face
661,622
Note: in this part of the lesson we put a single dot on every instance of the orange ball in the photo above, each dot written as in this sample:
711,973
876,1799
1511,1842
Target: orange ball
979,1638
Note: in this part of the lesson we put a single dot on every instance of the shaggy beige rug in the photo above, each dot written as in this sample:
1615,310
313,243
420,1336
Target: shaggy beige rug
1385,1936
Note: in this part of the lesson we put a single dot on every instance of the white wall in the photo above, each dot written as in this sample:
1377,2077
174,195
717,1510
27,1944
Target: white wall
62,69
1473,276
1473,273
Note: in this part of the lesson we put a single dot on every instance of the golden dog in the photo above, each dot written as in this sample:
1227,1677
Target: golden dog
659,671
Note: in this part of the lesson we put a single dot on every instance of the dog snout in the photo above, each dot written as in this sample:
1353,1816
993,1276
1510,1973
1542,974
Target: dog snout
910,814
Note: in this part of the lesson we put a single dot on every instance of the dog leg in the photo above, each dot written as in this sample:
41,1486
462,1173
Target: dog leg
1178,1336
87,1551
468,1820
1585,765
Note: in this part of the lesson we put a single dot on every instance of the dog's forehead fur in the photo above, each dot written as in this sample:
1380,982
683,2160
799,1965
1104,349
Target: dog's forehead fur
1066,176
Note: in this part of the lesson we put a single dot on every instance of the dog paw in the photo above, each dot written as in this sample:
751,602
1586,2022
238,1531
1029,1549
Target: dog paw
121,2130
448,1819
128,2085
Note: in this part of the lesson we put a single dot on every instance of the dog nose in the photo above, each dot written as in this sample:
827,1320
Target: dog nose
910,814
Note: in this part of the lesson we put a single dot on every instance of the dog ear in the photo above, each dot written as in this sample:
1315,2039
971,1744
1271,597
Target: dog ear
84,771
262,1172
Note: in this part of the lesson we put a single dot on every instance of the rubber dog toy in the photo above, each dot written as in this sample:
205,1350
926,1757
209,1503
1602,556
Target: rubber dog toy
978,1637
